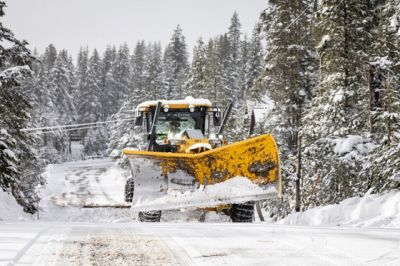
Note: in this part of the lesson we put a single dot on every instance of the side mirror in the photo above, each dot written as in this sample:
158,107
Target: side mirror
217,118
139,120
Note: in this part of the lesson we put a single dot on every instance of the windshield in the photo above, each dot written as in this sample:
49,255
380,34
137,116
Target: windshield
175,123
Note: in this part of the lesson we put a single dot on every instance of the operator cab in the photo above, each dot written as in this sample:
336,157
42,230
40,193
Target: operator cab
177,120
172,124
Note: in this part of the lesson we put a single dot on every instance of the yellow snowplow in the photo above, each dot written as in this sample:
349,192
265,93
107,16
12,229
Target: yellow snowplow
189,164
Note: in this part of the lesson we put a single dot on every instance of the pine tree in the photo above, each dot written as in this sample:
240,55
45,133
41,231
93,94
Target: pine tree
244,58
286,79
285,67
81,75
50,57
90,95
383,166
233,68
342,39
196,85
108,83
50,89
121,74
210,86
139,69
90,108
168,75
122,133
154,78
253,66
336,126
176,65
216,61
43,99
19,166
62,84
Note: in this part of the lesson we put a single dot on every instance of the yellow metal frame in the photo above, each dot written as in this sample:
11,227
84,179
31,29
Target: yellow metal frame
255,158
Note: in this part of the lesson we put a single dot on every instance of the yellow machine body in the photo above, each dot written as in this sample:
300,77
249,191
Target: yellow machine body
256,159
192,157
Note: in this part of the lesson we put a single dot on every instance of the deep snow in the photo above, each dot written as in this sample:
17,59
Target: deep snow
113,236
194,244
10,210
101,181
368,211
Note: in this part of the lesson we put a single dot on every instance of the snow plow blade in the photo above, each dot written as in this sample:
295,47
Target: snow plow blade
242,171
205,198
116,206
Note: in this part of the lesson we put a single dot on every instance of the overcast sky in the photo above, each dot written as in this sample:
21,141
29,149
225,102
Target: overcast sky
71,24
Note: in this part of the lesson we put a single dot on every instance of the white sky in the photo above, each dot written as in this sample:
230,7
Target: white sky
71,24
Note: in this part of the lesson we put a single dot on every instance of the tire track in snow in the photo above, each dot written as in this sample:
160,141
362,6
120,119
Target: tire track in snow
178,251
113,246
28,245
193,247
83,185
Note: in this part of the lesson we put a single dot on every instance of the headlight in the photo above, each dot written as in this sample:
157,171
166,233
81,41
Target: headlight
215,141
175,142
213,136
166,108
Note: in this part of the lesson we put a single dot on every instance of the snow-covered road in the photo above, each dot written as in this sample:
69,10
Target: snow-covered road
194,244
66,234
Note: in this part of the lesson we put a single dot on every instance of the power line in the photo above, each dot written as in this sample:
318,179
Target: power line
66,130
75,126
288,26
296,19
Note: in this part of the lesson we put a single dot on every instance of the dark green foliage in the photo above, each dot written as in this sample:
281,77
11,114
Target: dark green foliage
349,119
19,166
176,65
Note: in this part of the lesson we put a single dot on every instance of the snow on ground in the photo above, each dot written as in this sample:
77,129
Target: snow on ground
10,210
368,211
101,181
194,244
72,185
262,110
58,238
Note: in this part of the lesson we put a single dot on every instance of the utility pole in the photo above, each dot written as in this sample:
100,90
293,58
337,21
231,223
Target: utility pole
370,77
69,142
388,109
298,196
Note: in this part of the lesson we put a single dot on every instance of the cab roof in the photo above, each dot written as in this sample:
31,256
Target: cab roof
175,104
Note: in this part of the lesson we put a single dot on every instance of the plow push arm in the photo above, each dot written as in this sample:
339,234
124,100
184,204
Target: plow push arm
152,136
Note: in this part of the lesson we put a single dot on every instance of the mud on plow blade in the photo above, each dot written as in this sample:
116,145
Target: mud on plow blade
244,171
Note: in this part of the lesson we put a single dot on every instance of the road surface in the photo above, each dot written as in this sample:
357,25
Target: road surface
194,244
69,235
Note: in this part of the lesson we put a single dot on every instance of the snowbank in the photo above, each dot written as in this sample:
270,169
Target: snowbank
10,210
368,211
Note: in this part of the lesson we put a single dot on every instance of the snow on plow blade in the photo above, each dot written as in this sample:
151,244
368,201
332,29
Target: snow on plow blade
238,172
234,190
